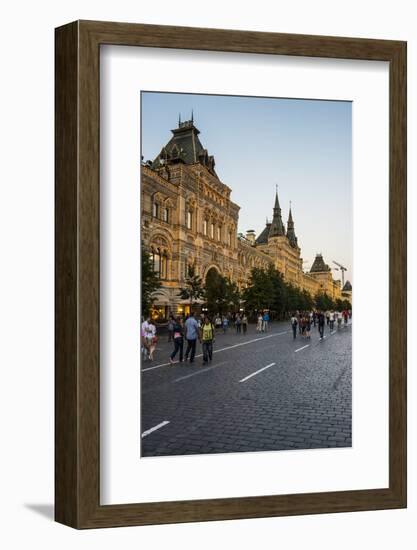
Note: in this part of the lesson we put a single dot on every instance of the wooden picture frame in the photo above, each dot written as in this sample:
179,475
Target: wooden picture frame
77,374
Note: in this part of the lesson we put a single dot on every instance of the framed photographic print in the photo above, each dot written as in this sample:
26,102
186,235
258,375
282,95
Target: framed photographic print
230,274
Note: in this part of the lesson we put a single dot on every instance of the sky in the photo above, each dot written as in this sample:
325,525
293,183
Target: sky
302,146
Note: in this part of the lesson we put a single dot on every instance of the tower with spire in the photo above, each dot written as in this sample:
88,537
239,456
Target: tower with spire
277,228
292,237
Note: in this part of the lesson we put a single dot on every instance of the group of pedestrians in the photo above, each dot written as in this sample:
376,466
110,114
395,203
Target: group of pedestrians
237,320
191,331
186,333
262,323
302,321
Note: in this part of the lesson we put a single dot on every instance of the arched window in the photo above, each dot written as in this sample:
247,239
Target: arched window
166,214
155,209
205,224
219,232
212,230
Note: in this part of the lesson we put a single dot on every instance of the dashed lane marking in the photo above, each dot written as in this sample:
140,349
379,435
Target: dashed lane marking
157,427
200,371
304,347
256,372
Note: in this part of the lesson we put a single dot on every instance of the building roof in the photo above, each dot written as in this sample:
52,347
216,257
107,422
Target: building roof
185,146
263,237
319,265
347,287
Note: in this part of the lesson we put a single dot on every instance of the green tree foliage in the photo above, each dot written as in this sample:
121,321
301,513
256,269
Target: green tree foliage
323,301
150,282
268,290
259,292
222,295
194,288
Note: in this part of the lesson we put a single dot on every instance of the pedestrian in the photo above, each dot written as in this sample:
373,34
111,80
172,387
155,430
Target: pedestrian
192,331
346,316
321,319
171,323
303,325
244,323
147,334
327,317
178,337
238,324
300,322
331,320
144,349
259,324
207,339
151,339
218,322
339,319
225,324
294,323
308,326
314,318
265,321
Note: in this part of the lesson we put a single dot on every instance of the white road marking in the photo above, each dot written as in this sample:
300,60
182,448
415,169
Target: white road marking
199,372
304,347
257,372
161,425
222,349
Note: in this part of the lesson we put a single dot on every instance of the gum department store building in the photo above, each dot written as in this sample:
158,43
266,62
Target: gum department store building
188,218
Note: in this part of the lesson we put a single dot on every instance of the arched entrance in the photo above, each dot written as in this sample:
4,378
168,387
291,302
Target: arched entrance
212,274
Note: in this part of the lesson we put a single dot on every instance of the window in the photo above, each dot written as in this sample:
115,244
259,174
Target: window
189,219
212,230
164,264
229,238
155,210
219,233
159,262
166,214
205,227
155,258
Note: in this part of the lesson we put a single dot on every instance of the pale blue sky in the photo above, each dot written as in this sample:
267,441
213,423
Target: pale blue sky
303,146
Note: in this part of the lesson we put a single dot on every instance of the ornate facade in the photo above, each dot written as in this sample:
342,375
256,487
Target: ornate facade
188,218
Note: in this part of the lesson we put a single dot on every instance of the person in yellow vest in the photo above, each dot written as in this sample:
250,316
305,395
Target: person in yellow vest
207,338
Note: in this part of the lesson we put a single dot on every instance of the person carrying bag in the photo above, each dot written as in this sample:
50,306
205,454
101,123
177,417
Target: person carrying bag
207,339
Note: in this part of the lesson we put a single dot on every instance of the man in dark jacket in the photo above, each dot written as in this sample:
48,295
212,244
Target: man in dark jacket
321,320
178,335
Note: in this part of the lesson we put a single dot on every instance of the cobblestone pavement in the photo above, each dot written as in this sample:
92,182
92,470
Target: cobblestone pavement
261,392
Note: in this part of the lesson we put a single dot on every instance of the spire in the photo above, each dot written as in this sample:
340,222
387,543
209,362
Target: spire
277,227
192,115
290,230
179,120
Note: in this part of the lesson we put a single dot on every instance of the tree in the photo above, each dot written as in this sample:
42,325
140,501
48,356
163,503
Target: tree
221,294
280,291
193,289
323,301
150,282
259,293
